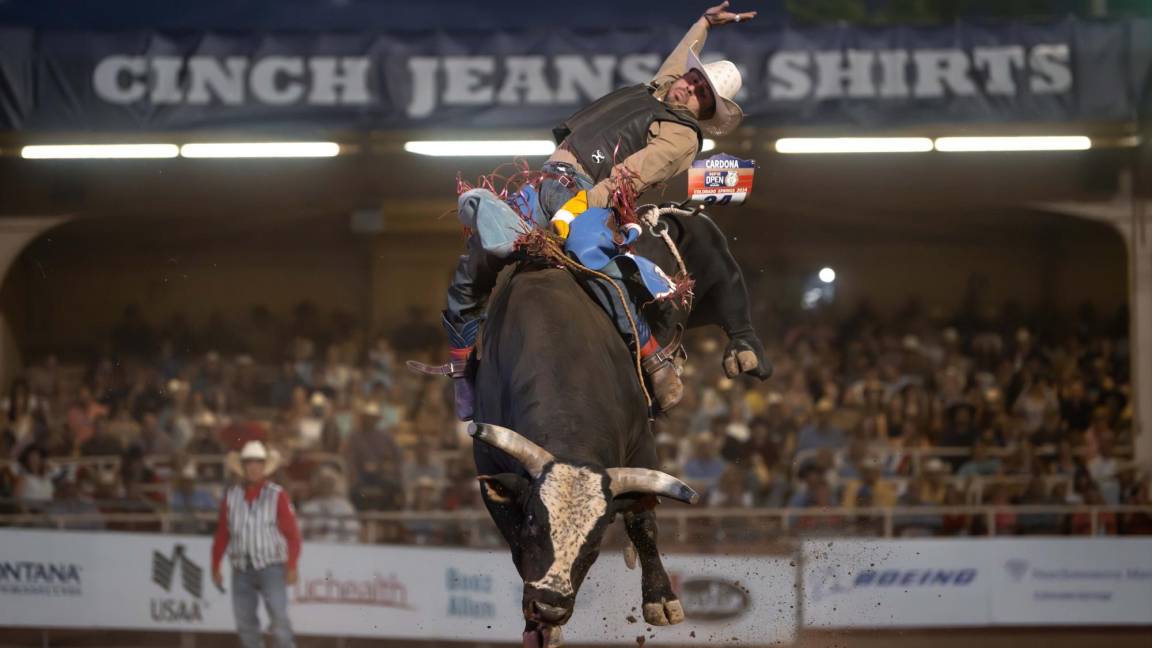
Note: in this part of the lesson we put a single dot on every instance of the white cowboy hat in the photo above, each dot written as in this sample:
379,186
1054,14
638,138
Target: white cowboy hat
253,451
205,419
724,80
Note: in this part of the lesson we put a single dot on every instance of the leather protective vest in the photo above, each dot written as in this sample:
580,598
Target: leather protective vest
615,126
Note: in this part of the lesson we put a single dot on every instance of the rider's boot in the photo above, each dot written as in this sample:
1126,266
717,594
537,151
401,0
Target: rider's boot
463,390
663,375
461,340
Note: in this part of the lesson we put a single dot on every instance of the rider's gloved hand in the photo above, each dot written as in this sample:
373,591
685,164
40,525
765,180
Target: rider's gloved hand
629,233
562,220
719,15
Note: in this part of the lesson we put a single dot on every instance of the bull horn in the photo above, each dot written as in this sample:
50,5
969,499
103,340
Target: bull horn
643,480
532,456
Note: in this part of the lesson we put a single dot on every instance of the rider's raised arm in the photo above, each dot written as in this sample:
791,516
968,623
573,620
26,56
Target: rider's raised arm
677,62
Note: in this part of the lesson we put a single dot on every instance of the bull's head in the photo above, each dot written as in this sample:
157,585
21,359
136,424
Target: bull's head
554,522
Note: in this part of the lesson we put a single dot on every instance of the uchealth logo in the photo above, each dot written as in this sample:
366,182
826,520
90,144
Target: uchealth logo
186,603
40,578
830,581
379,591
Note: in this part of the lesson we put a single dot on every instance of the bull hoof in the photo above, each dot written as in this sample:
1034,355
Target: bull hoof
666,612
555,637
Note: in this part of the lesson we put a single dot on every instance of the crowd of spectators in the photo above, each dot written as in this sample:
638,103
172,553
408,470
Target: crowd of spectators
863,410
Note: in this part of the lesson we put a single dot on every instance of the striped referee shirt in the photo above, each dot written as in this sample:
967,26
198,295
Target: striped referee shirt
257,526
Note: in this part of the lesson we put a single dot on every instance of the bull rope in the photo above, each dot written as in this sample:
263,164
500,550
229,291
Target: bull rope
538,242
650,215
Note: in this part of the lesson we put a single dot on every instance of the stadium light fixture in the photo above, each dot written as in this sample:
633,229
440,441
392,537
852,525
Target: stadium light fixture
853,145
478,148
260,150
1015,143
98,151
827,275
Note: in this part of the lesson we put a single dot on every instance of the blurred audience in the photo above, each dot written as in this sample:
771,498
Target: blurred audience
328,516
911,408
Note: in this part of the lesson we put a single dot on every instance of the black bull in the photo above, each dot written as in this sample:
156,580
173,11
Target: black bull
555,371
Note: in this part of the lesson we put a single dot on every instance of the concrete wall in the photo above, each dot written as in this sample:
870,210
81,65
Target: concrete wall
1058,262
68,290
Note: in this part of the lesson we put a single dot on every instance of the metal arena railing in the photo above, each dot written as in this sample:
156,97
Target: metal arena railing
732,528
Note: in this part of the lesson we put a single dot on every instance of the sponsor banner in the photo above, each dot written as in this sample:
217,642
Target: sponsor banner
162,582
156,80
734,601
907,583
976,582
1073,581
108,580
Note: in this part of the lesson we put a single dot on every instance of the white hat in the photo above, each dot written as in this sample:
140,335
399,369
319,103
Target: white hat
934,465
253,451
189,470
205,419
724,81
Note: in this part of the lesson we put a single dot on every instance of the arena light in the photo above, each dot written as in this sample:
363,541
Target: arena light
477,148
260,150
98,151
1015,143
853,145
827,275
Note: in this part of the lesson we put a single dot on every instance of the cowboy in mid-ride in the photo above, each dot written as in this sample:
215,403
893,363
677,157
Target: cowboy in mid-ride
562,425
608,153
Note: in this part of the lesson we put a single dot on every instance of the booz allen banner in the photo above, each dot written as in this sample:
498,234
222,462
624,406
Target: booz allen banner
837,75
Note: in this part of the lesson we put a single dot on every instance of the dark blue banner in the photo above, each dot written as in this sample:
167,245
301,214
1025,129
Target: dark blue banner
848,76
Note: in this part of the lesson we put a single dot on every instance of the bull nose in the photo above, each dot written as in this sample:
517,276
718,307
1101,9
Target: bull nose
548,613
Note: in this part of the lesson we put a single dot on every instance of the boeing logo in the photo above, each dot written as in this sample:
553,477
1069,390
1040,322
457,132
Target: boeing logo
831,582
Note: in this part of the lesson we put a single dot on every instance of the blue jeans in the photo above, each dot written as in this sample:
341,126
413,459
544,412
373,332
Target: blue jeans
495,227
247,587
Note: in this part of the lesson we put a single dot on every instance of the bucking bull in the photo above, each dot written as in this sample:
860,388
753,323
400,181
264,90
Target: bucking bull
565,428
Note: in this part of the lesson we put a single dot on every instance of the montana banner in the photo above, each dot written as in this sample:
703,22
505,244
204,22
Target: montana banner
851,76
163,582
977,582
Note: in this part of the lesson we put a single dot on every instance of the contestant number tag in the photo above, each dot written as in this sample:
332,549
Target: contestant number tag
720,180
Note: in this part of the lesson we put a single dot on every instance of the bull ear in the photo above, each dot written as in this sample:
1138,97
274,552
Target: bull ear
503,488
653,482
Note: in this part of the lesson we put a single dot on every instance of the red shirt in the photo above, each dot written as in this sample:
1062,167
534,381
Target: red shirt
285,521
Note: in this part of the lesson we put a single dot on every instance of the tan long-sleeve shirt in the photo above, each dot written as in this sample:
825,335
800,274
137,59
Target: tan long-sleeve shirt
671,146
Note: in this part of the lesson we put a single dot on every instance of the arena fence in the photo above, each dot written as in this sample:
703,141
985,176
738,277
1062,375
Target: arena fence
735,528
